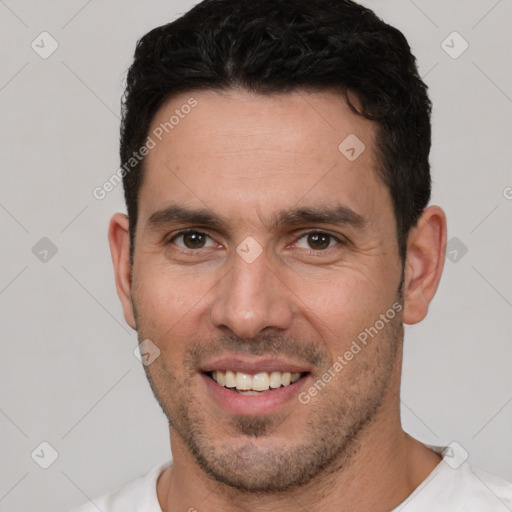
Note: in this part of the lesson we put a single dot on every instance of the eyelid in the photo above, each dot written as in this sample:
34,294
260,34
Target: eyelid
339,238
182,232
297,234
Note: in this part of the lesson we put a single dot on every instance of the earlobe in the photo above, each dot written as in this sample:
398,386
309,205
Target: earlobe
119,240
424,263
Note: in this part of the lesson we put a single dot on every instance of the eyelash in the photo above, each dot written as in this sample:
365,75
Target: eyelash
301,235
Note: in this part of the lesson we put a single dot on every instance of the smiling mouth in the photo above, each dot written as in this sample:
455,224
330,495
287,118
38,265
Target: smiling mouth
254,384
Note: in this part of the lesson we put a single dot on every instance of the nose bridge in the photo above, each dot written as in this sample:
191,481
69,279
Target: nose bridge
250,298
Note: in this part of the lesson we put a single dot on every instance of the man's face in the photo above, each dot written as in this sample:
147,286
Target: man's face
213,303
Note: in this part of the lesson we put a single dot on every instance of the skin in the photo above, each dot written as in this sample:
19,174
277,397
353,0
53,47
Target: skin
244,157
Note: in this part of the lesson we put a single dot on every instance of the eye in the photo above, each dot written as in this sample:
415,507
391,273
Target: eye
191,240
318,240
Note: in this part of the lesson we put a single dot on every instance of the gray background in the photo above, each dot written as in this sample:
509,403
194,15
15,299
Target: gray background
68,374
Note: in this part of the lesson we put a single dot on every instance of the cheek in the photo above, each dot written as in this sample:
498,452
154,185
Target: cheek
165,293
161,300
341,307
170,304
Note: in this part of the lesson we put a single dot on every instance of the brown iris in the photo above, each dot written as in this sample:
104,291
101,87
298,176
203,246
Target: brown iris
193,240
318,240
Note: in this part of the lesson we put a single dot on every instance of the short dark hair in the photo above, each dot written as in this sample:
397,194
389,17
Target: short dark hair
276,46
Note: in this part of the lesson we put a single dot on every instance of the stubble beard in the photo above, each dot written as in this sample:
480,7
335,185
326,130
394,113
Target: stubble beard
348,405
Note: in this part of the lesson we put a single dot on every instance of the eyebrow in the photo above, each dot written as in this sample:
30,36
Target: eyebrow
337,214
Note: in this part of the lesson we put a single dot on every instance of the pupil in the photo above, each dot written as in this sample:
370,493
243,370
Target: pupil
193,240
319,240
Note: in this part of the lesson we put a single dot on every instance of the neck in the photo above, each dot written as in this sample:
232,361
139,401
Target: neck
382,466
378,475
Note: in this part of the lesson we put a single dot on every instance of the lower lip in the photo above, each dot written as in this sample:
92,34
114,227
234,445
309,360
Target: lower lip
253,405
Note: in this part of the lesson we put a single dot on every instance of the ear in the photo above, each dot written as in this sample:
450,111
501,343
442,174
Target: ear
424,263
119,240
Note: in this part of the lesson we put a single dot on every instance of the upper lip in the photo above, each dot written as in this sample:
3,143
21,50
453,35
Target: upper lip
253,365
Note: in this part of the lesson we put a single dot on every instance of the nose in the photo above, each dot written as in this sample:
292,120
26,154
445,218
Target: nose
250,298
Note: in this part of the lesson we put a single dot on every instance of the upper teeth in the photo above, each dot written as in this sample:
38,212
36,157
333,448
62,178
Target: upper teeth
257,382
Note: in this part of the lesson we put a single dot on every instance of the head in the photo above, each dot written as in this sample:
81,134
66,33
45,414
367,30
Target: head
291,140
276,47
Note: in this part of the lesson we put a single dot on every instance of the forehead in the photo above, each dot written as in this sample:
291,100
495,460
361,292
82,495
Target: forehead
235,150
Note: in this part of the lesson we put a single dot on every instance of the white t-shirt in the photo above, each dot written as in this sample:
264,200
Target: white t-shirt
453,486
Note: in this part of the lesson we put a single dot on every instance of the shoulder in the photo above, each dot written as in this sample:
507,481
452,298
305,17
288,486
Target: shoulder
470,486
138,494
490,491
457,486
